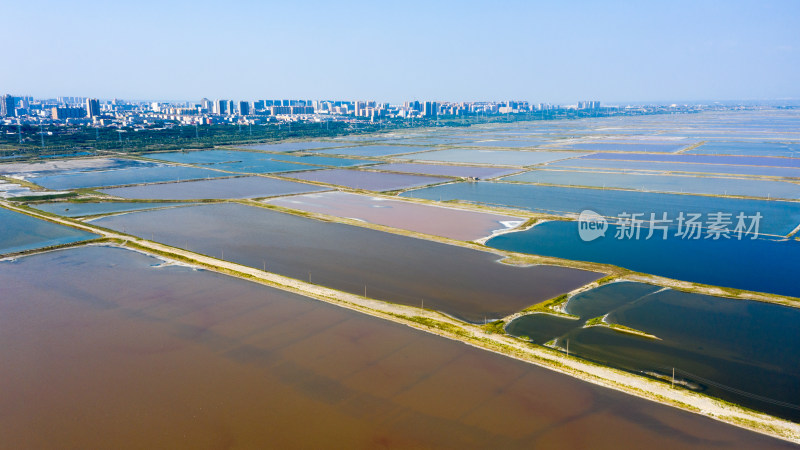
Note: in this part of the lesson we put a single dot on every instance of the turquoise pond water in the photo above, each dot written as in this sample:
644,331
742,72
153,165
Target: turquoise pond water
90,209
20,232
761,265
779,217
664,183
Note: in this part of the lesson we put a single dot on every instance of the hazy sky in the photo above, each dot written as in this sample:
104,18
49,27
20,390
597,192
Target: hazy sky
551,51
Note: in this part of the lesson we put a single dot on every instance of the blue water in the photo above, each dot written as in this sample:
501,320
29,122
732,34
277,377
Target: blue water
678,167
699,159
373,150
322,160
779,217
760,265
65,167
372,181
219,188
791,150
67,209
746,345
293,146
446,170
235,161
263,166
623,147
664,183
20,232
492,157
526,143
133,175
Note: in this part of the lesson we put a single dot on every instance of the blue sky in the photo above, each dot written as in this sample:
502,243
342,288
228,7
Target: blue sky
551,51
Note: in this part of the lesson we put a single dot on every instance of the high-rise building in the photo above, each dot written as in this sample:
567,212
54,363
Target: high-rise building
7,106
359,108
244,108
431,109
220,107
63,113
207,104
92,107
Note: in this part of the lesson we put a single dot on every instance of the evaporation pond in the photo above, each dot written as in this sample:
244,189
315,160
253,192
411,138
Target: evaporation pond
742,345
370,181
761,265
67,209
664,183
374,150
624,146
132,175
657,166
778,217
20,232
493,157
791,150
293,146
447,171
240,187
462,282
440,221
146,355
233,161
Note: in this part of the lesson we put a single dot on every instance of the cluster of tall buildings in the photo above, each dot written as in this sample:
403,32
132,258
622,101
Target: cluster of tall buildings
92,111
591,104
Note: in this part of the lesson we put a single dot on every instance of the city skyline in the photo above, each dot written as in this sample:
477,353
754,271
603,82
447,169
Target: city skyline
615,51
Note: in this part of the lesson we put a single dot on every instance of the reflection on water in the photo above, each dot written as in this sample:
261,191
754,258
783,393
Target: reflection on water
141,356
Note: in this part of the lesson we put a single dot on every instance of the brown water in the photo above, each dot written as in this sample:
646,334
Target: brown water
102,350
465,283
